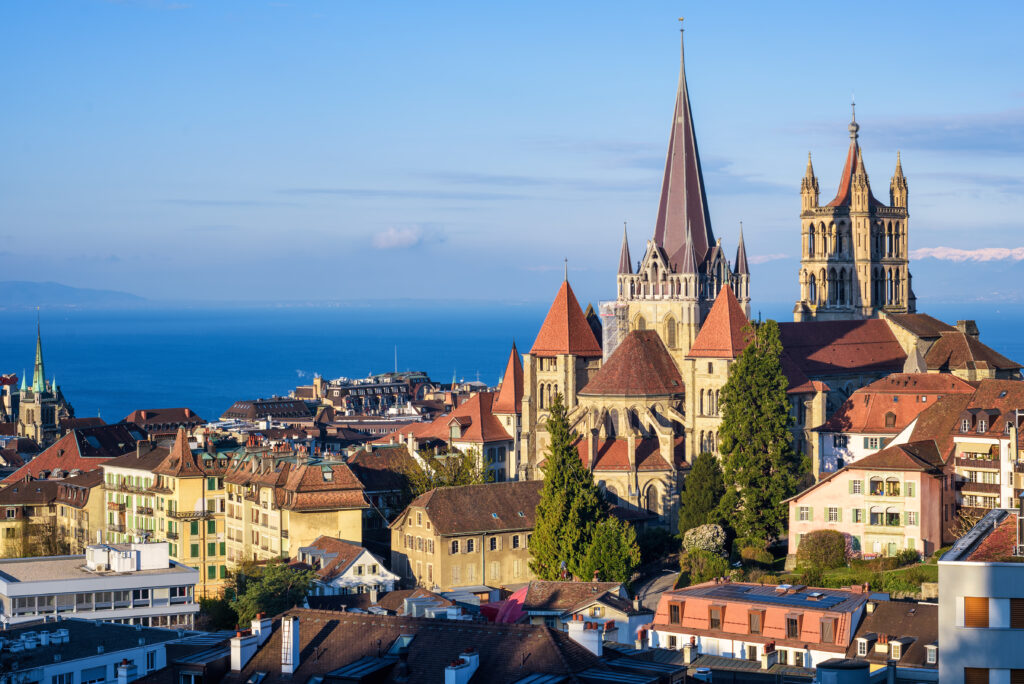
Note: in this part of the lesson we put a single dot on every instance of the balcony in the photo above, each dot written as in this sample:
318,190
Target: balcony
969,462
125,487
115,527
983,487
171,535
114,506
189,515
284,534
143,510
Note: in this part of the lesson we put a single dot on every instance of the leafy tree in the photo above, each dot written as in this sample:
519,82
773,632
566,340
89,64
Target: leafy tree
570,504
706,537
702,565
656,543
276,588
822,549
760,468
451,469
698,503
216,614
613,554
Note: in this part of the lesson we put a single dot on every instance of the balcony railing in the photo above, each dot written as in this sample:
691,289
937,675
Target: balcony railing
189,515
115,506
284,534
115,527
143,510
125,487
990,463
171,535
986,487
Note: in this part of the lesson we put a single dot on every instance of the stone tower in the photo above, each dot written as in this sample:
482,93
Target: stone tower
684,266
854,260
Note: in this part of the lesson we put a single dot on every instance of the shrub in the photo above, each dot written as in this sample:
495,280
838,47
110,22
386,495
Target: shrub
824,549
758,557
656,543
907,557
703,565
812,576
709,538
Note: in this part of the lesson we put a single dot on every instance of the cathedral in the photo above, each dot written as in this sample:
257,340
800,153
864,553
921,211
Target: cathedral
39,408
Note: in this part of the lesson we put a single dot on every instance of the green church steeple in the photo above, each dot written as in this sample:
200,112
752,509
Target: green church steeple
39,376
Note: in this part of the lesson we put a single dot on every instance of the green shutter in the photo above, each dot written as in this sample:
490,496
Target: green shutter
910,543
911,488
851,486
211,526
223,550
839,515
223,572
905,518
195,550
194,527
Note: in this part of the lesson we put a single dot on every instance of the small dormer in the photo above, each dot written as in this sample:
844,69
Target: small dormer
865,644
458,425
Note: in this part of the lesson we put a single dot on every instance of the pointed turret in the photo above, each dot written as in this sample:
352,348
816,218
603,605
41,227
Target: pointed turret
625,263
853,172
683,209
741,256
898,186
809,186
725,333
39,374
510,396
565,329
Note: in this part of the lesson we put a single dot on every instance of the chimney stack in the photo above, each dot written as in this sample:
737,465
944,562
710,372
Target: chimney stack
243,648
127,671
463,668
261,627
289,644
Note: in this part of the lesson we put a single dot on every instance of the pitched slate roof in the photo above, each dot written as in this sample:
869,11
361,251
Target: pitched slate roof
146,456
922,455
639,366
82,449
565,329
821,348
918,622
937,422
482,508
722,335
320,486
508,653
897,395
510,396
956,350
562,596
383,469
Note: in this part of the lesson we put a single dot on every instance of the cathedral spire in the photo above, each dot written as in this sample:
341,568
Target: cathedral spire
854,166
683,216
39,374
688,262
741,255
898,185
625,263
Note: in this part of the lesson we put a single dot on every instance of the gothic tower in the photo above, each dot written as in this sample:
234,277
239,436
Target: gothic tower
684,266
854,250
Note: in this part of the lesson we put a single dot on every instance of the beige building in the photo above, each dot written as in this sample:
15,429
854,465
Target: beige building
46,517
471,538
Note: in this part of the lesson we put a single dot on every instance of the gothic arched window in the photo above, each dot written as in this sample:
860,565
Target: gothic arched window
810,241
842,286
812,289
832,286
641,323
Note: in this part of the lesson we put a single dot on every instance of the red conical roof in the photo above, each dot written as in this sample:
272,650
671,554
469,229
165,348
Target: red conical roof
640,366
854,160
565,329
510,396
722,336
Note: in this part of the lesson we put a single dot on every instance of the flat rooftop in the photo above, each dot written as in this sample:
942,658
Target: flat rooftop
51,568
797,596
84,637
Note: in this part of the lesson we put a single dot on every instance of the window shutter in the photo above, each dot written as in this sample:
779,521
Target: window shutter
1016,613
975,675
839,515
905,518
976,613
851,486
911,488
867,443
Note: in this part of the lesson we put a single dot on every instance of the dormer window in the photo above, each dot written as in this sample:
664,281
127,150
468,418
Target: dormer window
931,654
982,425
965,425
862,647
896,649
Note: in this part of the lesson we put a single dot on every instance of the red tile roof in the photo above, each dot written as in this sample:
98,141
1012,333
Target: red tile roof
922,456
956,350
476,415
82,449
640,366
544,595
339,554
385,469
724,332
565,329
845,194
892,403
840,347
1000,543
510,396
164,416
613,454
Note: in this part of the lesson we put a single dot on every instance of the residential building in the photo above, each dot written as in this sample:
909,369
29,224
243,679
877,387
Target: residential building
475,537
275,409
164,422
803,625
883,503
48,517
129,583
79,506
344,568
306,644
873,415
606,604
279,501
73,650
384,473
81,449
417,602
904,634
981,603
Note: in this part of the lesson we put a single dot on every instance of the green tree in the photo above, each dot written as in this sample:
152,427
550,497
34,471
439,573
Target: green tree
450,469
701,565
272,589
698,503
613,553
760,468
570,504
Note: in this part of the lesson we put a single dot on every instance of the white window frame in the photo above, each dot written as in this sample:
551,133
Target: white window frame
832,513
858,486
862,647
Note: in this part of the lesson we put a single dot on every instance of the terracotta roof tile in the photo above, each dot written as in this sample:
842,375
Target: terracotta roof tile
563,596
476,413
640,366
613,454
510,396
565,329
480,508
999,544
839,347
956,350
82,449
383,469
339,555
892,403
723,334
922,455
920,324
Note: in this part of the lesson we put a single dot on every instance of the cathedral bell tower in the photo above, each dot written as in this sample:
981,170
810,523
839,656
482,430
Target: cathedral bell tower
854,260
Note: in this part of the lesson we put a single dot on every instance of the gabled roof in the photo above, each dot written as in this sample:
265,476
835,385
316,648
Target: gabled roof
82,449
937,422
920,324
613,454
956,350
888,405
146,456
639,366
482,508
562,596
683,217
337,556
822,348
476,414
510,396
314,485
180,461
384,469
917,623
722,336
921,456
565,329
164,416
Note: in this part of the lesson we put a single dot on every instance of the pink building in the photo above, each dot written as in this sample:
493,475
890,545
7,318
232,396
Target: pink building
887,501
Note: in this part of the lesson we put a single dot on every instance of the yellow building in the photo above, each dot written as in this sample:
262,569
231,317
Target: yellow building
475,537
80,510
279,501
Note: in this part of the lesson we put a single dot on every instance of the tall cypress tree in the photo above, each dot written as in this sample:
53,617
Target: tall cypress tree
570,504
760,468
698,503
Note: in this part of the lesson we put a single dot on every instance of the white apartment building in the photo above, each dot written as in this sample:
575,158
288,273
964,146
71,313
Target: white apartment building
981,604
127,583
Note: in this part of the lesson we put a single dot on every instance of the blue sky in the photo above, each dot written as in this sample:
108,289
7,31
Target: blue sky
342,150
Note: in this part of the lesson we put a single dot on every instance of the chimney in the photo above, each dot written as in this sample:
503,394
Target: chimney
463,668
289,644
641,639
243,648
870,607
637,606
968,327
373,594
769,657
261,627
587,635
144,414
127,671
690,653
188,413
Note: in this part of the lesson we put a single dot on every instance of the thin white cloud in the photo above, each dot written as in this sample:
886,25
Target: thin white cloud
398,238
765,258
960,255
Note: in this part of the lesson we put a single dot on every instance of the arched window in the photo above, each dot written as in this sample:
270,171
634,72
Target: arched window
652,501
610,495
842,286
888,240
455,546
641,323
540,396
632,288
702,445
613,423
812,290
670,329
832,286
700,405
810,241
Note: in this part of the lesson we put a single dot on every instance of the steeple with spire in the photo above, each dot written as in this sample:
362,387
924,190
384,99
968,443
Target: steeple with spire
625,263
854,260
741,276
41,406
39,374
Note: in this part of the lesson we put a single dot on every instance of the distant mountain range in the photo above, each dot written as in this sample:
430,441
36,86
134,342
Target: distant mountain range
21,294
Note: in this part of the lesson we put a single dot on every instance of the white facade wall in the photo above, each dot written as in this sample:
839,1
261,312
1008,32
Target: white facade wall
857,446
738,648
